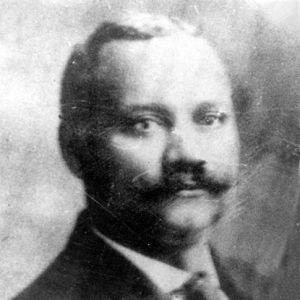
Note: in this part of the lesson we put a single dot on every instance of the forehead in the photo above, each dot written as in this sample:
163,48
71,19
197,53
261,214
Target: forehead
173,64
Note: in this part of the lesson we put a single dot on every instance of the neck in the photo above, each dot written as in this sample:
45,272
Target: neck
188,257
197,259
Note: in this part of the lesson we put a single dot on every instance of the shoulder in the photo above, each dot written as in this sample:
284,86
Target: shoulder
68,276
88,269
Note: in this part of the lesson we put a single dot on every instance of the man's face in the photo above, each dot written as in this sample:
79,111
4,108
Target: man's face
173,140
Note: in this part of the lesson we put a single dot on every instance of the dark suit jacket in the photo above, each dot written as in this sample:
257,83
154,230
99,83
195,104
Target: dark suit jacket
90,269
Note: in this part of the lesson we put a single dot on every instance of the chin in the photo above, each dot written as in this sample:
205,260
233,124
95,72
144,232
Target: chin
186,223
192,215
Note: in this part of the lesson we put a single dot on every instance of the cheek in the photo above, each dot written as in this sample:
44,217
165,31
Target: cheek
232,147
138,157
224,151
228,148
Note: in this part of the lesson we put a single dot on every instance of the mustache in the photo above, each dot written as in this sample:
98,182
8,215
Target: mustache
184,177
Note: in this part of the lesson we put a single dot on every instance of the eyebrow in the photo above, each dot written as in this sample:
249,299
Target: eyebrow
153,108
207,105
161,110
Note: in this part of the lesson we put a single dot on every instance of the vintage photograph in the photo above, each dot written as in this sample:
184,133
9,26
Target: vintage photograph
150,150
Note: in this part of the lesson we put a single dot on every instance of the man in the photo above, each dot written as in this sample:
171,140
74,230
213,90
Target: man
148,124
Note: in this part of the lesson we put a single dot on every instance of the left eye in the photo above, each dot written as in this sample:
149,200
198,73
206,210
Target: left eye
210,119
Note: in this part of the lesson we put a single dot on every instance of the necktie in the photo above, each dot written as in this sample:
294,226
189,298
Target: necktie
199,287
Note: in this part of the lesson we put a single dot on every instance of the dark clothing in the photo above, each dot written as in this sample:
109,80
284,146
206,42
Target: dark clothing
90,269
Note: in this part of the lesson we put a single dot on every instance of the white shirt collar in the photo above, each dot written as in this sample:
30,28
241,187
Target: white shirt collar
164,276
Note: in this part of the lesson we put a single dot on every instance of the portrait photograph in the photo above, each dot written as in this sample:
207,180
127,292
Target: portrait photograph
149,149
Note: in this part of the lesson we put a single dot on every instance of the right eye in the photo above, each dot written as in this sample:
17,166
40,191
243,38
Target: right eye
142,126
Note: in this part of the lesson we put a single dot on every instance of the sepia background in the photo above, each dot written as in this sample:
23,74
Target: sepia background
39,197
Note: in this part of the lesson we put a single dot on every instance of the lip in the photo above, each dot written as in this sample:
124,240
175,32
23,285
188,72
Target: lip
191,193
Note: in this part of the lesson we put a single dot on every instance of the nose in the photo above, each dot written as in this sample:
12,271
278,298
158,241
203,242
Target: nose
184,146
